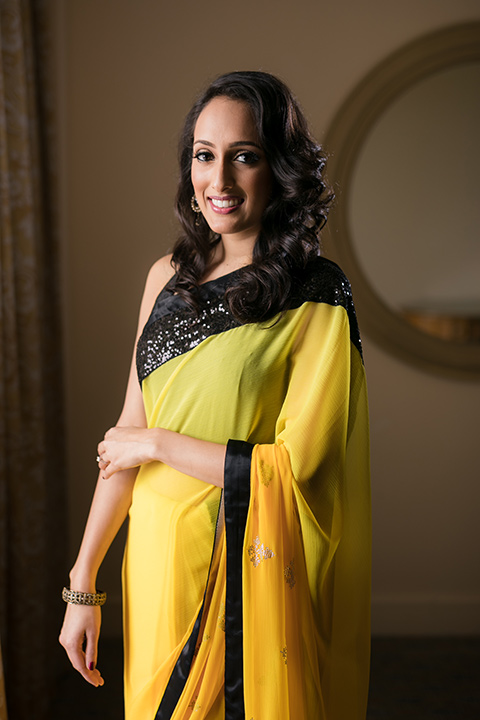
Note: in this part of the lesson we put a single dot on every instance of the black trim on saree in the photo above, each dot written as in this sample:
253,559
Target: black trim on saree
237,500
325,282
180,672
173,329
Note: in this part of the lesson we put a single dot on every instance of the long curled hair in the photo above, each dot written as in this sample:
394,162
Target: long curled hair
293,218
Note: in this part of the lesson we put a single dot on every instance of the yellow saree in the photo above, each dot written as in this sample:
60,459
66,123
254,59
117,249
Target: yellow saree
253,603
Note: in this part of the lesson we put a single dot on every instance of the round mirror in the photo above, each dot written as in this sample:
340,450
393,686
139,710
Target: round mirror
404,156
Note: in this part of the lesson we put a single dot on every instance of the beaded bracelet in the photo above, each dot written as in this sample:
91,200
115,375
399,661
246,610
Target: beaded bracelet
82,598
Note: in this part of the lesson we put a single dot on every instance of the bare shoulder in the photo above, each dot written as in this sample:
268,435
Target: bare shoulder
158,276
160,273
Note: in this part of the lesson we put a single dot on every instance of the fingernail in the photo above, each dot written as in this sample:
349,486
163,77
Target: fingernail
91,666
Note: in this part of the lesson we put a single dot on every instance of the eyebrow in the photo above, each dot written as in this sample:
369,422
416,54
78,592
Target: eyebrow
238,143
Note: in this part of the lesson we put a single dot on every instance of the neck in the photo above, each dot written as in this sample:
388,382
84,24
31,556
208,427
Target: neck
228,257
234,252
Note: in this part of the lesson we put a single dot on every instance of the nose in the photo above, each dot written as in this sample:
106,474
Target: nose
222,178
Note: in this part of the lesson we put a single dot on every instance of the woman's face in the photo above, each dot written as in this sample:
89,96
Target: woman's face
231,177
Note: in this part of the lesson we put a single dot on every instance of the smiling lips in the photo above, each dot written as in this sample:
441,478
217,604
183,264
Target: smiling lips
225,205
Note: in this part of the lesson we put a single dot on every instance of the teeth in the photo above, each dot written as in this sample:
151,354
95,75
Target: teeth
225,203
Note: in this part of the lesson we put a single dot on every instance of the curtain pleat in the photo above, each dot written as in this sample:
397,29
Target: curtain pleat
32,480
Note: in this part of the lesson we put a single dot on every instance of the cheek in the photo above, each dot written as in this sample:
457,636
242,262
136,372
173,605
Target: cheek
198,180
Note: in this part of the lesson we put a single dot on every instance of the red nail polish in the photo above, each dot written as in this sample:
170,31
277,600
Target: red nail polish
91,666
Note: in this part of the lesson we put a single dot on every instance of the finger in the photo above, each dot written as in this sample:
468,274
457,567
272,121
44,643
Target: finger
86,668
78,660
109,470
102,464
91,653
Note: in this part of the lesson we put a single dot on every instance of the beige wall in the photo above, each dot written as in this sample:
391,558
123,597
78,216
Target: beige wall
128,71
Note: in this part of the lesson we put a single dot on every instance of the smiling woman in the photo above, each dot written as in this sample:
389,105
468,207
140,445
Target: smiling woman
231,177
297,204
241,455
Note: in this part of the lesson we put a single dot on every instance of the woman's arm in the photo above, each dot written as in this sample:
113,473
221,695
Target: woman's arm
127,447
109,509
82,623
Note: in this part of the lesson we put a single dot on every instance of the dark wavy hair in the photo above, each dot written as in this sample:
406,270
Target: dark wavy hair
293,218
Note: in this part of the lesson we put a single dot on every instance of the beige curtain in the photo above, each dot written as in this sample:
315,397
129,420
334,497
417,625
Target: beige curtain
32,527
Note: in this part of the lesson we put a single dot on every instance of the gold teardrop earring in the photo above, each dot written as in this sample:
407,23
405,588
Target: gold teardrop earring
196,209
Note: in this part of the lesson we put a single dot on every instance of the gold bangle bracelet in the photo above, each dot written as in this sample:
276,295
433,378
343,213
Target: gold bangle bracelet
82,598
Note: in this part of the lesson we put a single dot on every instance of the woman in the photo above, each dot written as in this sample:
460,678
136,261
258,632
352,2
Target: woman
242,455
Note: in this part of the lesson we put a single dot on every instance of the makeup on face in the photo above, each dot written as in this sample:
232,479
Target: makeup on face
230,173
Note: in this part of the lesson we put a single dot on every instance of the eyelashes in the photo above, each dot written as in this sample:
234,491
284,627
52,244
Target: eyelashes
202,156
246,157
249,157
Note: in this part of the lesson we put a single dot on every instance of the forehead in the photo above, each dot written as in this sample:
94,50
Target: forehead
224,119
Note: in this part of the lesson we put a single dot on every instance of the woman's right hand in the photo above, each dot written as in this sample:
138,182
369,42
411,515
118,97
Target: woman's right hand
79,636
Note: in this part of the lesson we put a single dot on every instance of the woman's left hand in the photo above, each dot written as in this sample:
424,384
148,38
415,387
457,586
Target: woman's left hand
126,447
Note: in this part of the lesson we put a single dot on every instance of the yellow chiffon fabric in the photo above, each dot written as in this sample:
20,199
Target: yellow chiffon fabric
294,393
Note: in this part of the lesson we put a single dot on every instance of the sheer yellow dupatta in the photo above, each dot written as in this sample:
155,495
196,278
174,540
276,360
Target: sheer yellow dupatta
306,551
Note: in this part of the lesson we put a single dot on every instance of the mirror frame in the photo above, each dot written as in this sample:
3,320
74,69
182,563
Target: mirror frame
350,127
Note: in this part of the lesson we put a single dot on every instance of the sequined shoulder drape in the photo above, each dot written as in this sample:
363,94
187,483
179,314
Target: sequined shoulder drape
31,443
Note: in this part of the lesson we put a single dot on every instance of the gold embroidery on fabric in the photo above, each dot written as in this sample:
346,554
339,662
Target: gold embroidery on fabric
258,552
283,653
221,617
191,704
289,573
266,473
205,638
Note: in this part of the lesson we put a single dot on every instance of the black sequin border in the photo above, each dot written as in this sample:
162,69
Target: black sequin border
172,329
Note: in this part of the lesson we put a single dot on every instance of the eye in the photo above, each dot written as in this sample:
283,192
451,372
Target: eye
203,156
247,157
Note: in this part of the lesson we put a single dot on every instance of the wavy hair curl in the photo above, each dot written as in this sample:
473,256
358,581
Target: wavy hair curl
293,218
